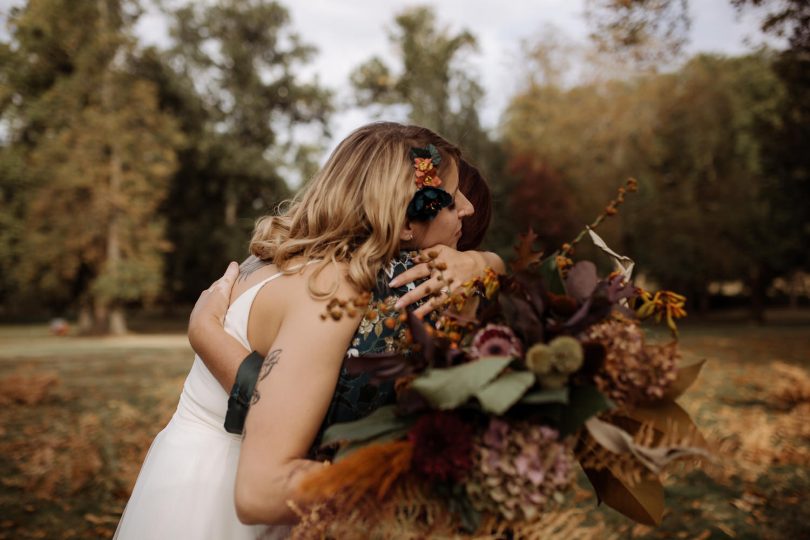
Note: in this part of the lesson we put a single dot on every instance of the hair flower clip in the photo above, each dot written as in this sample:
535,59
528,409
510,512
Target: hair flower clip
429,198
426,162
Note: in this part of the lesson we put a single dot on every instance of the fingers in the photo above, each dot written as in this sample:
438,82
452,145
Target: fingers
431,305
418,271
224,284
429,287
417,294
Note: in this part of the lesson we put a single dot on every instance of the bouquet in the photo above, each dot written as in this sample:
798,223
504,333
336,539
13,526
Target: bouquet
495,411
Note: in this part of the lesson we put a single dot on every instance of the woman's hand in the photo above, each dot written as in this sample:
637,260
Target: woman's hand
213,302
220,351
459,267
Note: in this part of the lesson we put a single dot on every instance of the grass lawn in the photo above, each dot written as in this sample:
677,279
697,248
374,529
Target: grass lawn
78,415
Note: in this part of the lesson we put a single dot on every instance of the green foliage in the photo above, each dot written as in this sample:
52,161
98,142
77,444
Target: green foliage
442,94
499,395
377,424
447,388
240,126
700,140
99,154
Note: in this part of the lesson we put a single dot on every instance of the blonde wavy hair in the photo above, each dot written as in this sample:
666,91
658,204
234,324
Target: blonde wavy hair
354,208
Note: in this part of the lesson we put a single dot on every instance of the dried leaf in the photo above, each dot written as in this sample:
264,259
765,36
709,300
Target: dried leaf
623,264
581,280
687,374
381,367
618,441
642,501
667,417
526,255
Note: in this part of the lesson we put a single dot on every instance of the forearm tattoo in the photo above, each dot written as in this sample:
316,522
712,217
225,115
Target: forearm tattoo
269,363
250,265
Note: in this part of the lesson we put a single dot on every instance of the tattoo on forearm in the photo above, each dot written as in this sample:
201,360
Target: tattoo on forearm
250,265
269,363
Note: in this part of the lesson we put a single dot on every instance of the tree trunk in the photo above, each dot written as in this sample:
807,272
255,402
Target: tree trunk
118,323
101,317
758,285
114,314
230,209
85,322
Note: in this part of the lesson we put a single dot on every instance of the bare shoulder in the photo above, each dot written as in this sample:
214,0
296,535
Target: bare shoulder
330,276
289,302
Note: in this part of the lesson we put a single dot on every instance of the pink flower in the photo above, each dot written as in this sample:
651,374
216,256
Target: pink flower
496,340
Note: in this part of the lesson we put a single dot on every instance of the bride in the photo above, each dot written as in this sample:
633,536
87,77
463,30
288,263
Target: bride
331,242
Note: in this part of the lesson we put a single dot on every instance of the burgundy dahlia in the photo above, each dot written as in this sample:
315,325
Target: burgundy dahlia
496,340
442,446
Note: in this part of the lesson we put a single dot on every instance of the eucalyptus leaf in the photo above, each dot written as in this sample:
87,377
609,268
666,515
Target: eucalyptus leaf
447,388
505,391
583,402
551,274
381,421
536,397
353,446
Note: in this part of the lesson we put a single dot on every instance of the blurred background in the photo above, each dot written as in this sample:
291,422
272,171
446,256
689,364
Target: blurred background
140,140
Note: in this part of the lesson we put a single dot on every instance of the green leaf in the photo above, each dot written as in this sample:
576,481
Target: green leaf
583,402
350,448
505,391
557,395
381,421
551,274
447,388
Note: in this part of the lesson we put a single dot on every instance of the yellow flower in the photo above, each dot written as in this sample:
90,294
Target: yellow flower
663,305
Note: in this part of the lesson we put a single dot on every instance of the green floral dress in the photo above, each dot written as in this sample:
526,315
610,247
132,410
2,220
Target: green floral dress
355,395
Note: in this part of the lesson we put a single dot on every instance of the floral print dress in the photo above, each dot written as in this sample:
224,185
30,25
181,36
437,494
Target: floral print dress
355,395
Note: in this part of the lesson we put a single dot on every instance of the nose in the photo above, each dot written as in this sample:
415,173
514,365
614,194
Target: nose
465,207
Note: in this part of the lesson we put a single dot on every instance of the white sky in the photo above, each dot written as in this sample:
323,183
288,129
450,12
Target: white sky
348,32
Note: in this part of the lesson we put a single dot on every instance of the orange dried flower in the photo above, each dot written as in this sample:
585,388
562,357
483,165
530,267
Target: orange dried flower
370,471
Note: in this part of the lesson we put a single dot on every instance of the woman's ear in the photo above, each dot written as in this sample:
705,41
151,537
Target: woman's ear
407,232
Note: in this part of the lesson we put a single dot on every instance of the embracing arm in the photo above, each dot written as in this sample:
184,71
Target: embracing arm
294,390
220,351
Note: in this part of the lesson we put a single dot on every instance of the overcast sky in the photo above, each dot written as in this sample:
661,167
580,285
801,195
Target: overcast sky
348,32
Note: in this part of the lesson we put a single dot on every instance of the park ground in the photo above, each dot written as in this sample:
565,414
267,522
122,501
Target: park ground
78,414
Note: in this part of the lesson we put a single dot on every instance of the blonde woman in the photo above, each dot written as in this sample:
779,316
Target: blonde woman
355,215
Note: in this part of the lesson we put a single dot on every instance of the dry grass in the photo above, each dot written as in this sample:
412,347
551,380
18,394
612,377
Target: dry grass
77,416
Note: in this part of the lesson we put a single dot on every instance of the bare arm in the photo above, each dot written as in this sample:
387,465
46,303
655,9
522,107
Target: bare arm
295,387
221,352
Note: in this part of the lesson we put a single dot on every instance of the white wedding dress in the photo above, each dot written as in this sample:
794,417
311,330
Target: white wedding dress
185,489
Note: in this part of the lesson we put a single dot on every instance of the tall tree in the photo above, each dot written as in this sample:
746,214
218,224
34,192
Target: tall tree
440,92
99,155
785,142
232,77
645,33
